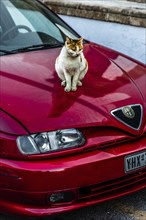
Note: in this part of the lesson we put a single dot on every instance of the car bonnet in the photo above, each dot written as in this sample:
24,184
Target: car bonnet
32,93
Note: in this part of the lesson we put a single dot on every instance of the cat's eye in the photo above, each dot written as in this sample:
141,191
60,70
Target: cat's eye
48,142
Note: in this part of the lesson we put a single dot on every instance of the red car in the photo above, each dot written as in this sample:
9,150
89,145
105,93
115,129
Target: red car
61,151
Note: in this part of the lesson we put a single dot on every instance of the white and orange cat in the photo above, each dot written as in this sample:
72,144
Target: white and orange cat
71,65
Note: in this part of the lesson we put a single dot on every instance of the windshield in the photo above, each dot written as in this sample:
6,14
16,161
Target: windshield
28,25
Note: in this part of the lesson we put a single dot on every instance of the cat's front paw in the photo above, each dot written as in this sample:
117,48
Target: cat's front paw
74,88
67,89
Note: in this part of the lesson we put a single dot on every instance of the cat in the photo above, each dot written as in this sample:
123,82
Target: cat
71,65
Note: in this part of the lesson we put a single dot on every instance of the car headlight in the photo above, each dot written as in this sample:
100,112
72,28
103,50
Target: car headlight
50,141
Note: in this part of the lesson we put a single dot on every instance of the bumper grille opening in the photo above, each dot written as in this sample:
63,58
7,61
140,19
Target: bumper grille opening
114,187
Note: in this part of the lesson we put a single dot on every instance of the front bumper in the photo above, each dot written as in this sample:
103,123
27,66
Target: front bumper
93,177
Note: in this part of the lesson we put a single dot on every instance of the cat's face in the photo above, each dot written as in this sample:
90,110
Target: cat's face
74,47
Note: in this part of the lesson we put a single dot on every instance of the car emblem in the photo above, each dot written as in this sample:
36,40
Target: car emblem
130,115
128,112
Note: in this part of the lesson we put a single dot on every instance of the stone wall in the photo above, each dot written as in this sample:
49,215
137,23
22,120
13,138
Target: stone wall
114,11
139,1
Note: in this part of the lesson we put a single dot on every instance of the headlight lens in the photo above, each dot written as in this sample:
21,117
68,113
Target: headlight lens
50,141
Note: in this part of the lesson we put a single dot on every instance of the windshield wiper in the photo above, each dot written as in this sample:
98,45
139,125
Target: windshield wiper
31,48
37,47
6,51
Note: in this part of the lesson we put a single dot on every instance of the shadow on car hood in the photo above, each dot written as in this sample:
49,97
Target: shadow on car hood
31,91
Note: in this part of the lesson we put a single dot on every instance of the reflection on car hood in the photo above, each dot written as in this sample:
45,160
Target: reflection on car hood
31,91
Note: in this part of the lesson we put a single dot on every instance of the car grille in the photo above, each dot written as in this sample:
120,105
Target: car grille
113,188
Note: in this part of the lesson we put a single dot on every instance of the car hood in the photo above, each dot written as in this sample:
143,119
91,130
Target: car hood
31,91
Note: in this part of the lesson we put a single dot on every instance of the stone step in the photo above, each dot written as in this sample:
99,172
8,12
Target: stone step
139,1
120,11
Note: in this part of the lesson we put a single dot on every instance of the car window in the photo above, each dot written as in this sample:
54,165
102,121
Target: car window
27,23
17,15
35,20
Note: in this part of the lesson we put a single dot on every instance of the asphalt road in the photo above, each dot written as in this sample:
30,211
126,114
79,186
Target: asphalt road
131,207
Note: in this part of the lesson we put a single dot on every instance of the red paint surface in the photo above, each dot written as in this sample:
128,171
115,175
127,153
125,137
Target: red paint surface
32,100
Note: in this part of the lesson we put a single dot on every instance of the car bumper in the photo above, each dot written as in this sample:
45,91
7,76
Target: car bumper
92,177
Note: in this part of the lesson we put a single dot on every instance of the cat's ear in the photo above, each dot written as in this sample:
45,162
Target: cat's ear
80,39
68,40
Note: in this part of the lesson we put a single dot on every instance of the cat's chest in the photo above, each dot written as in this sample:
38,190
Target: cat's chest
71,63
